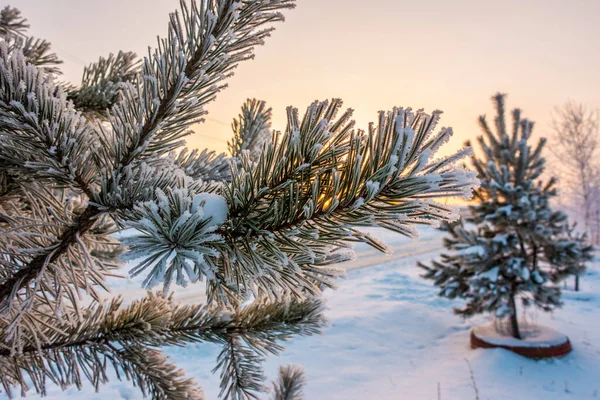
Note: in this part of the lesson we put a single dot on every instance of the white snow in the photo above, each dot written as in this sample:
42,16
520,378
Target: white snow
215,207
532,336
491,274
372,189
525,273
477,250
537,277
422,161
391,337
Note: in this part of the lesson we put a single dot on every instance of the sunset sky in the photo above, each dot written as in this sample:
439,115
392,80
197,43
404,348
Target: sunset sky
436,54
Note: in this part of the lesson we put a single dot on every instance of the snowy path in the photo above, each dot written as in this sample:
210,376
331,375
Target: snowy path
370,257
391,337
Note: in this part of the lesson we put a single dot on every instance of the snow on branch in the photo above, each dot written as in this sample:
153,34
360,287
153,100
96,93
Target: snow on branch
320,180
204,165
250,129
102,82
13,29
290,383
205,41
177,236
115,164
124,338
41,133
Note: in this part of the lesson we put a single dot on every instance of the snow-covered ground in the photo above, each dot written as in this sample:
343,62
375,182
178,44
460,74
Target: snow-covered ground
392,337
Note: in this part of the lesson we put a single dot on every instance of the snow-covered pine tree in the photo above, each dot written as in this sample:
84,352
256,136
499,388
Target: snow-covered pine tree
78,164
511,244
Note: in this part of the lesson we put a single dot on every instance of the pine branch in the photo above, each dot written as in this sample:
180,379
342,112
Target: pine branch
243,352
205,165
26,239
125,337
38,52
75,348
158,378
296,206
224,34
41,134
250,129
241,375
147,368
102,83
150,117
13,28
290,383
12,23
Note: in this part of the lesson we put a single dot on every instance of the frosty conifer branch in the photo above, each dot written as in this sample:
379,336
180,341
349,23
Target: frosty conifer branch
147,368
79,347
320,180
290,383
125,337
154,116
250,129
156,320
38,52
102,82
150,117
241,376
204,165
12,23
41,134
242,354
13,28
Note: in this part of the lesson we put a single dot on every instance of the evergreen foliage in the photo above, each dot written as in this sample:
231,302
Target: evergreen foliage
103,81
511,244
261,228
570,255
13,29
290,384
251,130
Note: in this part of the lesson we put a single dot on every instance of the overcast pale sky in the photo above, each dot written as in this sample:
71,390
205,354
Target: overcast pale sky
435,54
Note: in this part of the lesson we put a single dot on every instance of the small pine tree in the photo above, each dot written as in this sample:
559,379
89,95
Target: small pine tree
570,255
78,163
511,244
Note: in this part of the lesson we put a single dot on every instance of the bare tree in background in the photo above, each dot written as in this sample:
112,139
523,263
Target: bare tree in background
575,147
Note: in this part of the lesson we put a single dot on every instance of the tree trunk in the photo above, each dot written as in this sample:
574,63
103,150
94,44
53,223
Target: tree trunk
514,323
577,283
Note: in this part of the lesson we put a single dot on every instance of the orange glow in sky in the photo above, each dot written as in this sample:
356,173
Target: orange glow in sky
438,54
